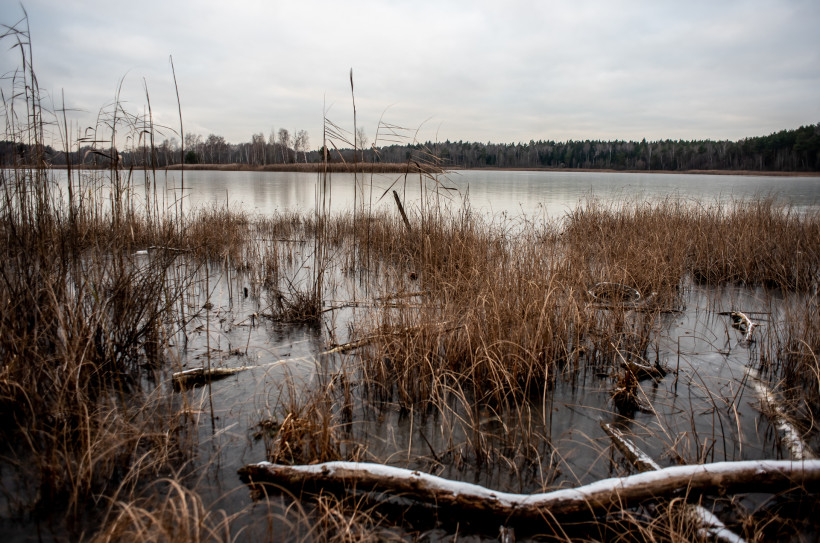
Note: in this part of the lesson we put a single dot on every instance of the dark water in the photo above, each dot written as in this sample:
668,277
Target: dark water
703,412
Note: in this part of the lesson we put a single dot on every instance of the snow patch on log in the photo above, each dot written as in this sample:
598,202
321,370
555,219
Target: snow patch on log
598,496
772,407
714,527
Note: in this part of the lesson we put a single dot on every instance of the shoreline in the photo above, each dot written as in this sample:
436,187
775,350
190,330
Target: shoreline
390,167
746,173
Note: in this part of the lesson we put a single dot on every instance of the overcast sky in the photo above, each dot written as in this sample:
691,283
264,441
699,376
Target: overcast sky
501,71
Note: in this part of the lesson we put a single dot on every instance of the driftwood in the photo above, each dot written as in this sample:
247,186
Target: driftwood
636,457
601,496
200,376
345,347
773,409
743,323
711,526
400,295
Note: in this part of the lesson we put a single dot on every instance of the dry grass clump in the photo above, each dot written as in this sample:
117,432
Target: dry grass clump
308,431
790,357
84,330
641,245
171,513
217,233
756,243
506,310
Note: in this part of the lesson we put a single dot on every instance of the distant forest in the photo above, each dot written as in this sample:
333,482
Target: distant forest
787,150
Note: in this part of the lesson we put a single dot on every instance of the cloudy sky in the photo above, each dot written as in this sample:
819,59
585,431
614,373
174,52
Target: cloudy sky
502,71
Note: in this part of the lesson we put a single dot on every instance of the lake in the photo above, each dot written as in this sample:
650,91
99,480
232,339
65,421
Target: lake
492,192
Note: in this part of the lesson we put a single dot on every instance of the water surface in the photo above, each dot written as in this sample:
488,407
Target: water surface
509,193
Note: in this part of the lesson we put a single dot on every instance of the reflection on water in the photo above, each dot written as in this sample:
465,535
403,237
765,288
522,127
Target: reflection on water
509,193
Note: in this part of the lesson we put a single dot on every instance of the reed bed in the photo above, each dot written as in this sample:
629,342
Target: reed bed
756,243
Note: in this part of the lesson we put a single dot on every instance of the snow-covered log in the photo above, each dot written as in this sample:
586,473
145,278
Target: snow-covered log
636,457
742,322
607,494
773,408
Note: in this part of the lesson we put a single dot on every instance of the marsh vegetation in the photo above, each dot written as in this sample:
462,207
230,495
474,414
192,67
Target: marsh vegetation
495,351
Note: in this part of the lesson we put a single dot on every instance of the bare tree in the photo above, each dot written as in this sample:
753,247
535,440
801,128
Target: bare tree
284,141
301,143
258,149
361,138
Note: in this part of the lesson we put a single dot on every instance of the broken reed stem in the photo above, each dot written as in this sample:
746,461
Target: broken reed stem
401,211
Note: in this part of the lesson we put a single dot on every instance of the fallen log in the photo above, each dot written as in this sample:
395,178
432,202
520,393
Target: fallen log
773,409
710,525
601,496
200,376
636,457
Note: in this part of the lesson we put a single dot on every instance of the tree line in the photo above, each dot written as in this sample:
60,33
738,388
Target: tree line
786,150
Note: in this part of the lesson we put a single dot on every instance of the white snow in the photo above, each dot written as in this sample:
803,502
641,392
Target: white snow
581,494
791,437
712,526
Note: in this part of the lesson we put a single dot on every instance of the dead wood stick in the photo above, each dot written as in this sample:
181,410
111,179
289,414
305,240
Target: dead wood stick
773,409
349,346
197,376
711,526
742,322
637,457
200,376
600,496
400,295
401,210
